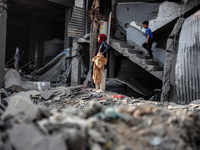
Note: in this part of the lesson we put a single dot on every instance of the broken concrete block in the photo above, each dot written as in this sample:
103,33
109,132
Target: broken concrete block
27,137
27,95
75,138
195,102
56,99
68,92
39,86
96,147
43,111
93,109
12,81
47,94
18,105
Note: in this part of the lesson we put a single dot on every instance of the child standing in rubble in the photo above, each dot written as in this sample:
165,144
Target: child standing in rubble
149,35
99,74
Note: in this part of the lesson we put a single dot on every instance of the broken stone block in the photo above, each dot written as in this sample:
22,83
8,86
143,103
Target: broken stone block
39,86
92,109
27,137
68,92
75,138
47,94
56,99
195,102
19,105
12,81
43,111
145,110
96,147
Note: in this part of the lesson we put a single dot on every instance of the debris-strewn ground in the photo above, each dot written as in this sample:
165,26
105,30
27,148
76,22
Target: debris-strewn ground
72,119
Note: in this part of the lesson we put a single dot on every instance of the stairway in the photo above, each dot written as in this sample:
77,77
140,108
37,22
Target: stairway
137,55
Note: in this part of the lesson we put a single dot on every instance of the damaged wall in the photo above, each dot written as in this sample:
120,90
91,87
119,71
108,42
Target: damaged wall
30,25
3,20
187,67
128,12
169,88
161,26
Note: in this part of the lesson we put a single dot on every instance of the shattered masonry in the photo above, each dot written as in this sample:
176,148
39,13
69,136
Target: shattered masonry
44,103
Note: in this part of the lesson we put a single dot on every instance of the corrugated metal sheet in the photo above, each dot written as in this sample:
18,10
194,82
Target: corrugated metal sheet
76,27
188,64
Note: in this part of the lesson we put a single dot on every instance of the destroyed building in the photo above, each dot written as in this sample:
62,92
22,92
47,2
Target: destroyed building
53,47
45,103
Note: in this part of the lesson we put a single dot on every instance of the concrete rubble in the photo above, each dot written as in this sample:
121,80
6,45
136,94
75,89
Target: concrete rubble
46,110
77,119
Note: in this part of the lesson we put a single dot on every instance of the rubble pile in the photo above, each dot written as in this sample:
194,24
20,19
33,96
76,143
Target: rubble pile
82,120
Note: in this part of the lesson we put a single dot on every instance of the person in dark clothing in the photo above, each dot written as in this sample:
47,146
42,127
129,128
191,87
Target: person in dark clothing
103,48
149,35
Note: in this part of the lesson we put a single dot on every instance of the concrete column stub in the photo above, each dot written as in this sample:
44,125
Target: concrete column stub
3,20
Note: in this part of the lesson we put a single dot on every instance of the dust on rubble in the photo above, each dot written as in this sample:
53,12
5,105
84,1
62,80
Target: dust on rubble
76,119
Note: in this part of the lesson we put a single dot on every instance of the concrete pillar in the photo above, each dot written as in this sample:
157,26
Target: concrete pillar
114,8
76,64
3,20
67,40
111,64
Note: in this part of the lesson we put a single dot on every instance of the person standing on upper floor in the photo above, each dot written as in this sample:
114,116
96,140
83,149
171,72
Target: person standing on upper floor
103,48
149,41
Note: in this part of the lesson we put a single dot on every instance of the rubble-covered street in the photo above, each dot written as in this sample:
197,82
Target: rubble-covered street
99,75
75,119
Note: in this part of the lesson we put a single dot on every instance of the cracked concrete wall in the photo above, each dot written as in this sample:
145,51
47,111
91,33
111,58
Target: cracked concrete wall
3,20
80,3
76,64
169,88
134,11
168,11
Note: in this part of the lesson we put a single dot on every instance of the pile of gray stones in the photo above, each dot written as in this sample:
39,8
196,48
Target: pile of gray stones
74,119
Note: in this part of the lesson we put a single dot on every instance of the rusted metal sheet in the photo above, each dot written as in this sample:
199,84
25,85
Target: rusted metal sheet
188,64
